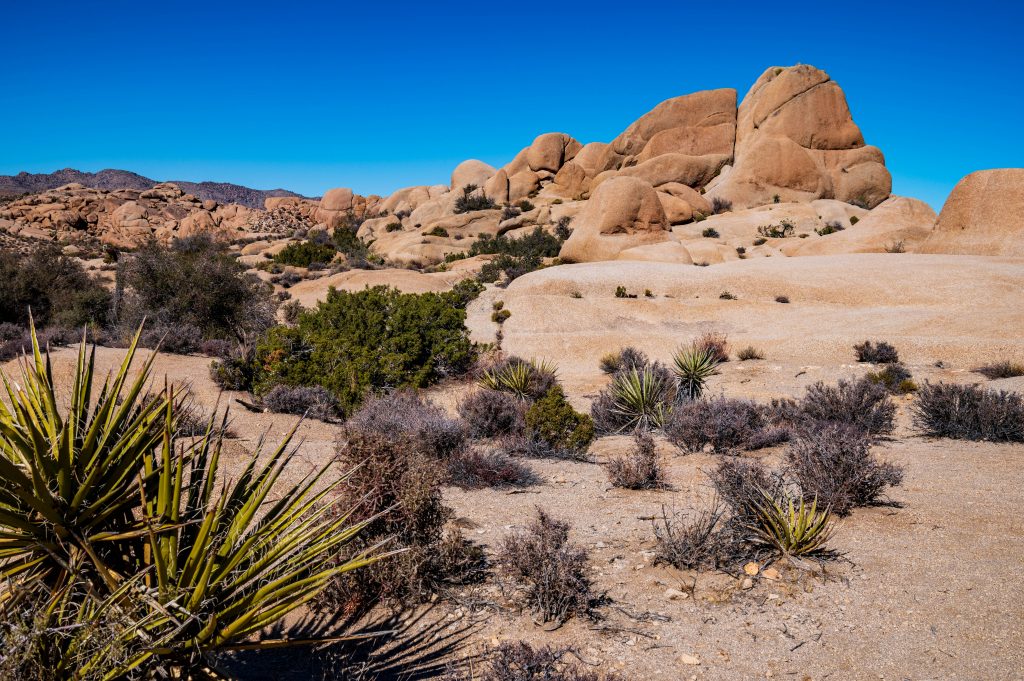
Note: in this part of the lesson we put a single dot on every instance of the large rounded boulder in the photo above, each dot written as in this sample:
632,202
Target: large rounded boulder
984,215
624,212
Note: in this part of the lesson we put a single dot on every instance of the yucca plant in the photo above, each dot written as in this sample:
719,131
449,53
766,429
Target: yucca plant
105,511
792,527
524,379
693,366
640,399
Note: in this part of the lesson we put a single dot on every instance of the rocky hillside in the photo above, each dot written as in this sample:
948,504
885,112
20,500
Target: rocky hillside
111,180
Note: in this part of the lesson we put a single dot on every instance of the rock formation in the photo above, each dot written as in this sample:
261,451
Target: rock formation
984,215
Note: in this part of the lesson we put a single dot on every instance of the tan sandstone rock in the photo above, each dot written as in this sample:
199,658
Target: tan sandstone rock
623,212
984,215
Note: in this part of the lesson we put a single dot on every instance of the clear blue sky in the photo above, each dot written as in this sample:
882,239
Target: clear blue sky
377,96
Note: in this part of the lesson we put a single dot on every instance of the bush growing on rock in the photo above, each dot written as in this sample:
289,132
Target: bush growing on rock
549,573
471,200
834,465
967,412
55,288
345,345
305,253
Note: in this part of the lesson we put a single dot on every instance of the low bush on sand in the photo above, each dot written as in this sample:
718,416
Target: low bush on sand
967,412
726,425
876,353
1003,369
554,428
896,378
636,399
640,468
395,489
493,413
312,401
548,574
626,358
860,403
521,662
56,290
834,465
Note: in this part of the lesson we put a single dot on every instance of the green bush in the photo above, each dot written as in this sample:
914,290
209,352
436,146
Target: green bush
393,227
710,233
370,339
561,430
469,201
537,243
56,289
437,231
193,283
305,253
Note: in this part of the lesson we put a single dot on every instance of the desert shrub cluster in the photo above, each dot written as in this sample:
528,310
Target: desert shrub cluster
726,425
876,353
515,256
968,412
192,291
353,343
640,468
306,254
55,288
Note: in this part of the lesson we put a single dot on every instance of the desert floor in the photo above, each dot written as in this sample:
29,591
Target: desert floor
928,587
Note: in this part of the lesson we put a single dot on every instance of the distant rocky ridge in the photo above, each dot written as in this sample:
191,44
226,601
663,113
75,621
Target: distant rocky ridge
112,180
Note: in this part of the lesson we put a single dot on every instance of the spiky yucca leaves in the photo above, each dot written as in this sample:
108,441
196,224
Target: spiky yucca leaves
639,398
792,527
693,366
525,379
105,512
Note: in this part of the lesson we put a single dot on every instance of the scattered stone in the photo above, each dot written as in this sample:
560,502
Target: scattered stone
686,658
752,568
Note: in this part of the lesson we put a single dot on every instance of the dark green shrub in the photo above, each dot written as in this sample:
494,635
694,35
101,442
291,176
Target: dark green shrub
393,227
195,283
720,205
710,233
783,230
525,206
437,231
470,201
829,228
854,219
55,287
556,428
1003,369
350,245
305,253
499,316
370,339
537,243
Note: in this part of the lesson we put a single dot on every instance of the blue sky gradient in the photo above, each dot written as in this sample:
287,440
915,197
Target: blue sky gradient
377,96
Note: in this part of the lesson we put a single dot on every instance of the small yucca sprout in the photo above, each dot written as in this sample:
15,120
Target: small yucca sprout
792,527
693,366
638,396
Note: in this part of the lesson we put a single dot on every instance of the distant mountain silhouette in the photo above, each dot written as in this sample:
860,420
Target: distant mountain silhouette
111,179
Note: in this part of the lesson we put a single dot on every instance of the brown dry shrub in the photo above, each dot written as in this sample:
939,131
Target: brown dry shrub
834,465
716,342
640,469
550,574
521,662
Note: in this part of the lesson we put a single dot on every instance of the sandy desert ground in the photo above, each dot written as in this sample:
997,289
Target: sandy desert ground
928,587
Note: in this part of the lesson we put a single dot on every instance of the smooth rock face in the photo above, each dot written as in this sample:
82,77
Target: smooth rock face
796,139
623,212
897,223
984,215
471,172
